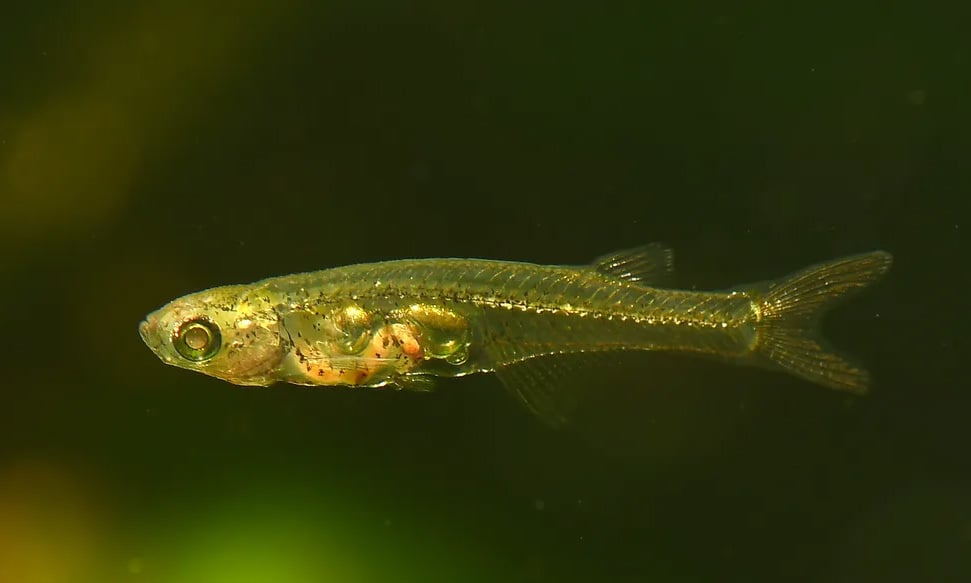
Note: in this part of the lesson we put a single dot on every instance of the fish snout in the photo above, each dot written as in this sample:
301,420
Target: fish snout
148,329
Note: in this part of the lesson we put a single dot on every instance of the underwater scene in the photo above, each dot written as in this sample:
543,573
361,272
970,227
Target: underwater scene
484,291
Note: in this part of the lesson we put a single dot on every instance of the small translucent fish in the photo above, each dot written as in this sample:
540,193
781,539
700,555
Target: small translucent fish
402,323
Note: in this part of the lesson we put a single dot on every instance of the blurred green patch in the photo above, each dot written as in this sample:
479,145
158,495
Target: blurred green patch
69,161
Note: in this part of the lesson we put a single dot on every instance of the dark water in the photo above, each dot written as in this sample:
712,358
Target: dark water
147,153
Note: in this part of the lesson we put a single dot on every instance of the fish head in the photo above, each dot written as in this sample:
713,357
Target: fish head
231,333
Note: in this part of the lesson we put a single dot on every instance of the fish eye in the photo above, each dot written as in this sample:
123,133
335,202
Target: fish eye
197,340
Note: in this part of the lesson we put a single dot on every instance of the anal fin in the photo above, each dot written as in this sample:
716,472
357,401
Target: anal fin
547,385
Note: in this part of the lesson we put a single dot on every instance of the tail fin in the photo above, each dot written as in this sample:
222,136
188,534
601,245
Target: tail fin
788,331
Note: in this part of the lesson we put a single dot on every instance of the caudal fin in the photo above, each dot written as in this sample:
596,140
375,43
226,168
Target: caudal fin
788,329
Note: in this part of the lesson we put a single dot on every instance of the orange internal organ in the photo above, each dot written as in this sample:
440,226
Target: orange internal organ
393,349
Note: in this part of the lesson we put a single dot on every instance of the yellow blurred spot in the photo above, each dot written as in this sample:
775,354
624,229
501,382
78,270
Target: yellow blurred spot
70,163
917,97
135,565
49,530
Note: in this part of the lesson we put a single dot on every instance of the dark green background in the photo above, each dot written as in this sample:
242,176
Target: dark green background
149,152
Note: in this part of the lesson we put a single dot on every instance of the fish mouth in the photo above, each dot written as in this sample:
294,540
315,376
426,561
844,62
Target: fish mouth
146,330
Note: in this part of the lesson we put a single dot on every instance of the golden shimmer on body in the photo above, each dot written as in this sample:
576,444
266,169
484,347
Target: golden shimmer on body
402,323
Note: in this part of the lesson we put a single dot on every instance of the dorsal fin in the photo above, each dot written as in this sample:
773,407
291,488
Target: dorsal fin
651,264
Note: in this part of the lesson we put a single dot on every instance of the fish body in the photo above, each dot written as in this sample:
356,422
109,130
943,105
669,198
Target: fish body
401,323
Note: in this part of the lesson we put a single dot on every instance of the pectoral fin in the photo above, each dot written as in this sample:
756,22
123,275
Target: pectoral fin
415,382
